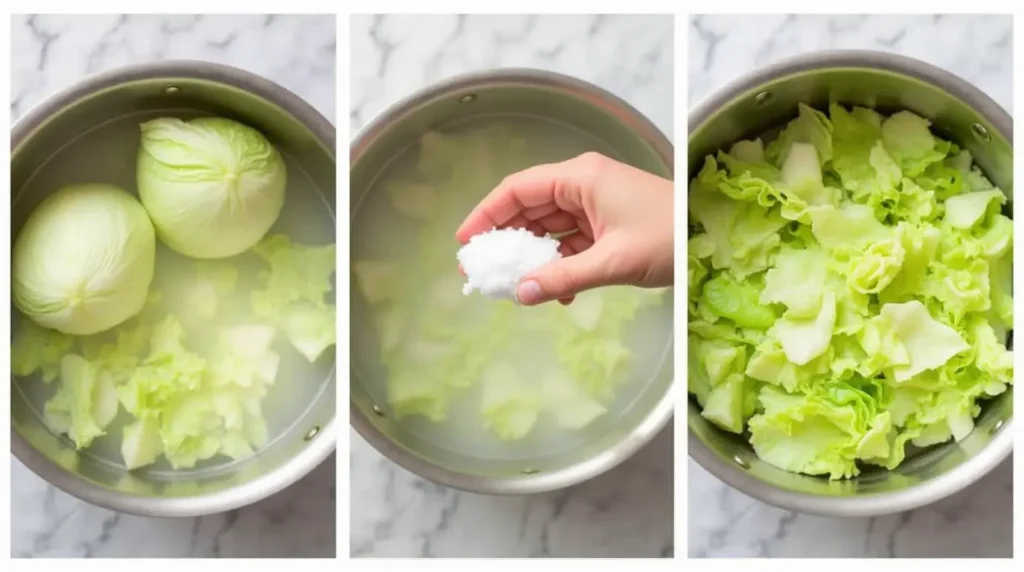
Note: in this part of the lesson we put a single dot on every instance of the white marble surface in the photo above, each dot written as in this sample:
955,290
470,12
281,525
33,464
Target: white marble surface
977,522
624,513
51,52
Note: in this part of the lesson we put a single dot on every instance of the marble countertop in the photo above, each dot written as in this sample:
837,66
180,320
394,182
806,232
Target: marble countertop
49,53
977,522
628,511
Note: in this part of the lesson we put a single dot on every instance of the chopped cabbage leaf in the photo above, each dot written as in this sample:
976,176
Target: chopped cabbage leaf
414,200
141,444
214,282
85,403
803,339
568,403
297,273
824,432
378,281
310,329
737,301
38,349
509,406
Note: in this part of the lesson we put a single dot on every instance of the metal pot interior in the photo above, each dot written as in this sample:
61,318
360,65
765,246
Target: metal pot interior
764,108
393,134
92,135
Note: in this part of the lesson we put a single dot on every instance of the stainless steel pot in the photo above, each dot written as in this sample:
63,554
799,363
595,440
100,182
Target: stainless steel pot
74,137
960,112
581,106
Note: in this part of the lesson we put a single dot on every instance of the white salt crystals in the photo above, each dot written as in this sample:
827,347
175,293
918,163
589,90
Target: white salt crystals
495,261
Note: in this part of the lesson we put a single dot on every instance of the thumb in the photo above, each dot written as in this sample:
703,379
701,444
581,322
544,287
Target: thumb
565,277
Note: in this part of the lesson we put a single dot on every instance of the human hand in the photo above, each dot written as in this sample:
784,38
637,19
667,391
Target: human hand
623,219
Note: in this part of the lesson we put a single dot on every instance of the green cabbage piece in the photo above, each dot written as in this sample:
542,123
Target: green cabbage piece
737,301
212,186
296,273
294,295
414,200
214,283
84,260
874,314
38,349
85,402
141,444
568,403
823,432
377,281
310,330
510,407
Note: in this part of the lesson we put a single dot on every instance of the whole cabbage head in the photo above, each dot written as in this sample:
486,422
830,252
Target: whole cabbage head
212,186
84,260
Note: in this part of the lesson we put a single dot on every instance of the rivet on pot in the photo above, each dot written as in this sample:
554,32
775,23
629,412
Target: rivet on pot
763,98
378,411
739,461
995,428
313,432
530,471
172,90
469,97
980,133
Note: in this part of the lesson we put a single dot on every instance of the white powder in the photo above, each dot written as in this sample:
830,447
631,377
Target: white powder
495,261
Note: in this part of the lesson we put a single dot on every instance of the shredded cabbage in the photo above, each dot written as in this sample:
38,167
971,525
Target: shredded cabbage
849,291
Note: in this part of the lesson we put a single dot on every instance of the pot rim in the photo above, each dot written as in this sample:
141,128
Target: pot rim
313,454
651,424
964,474
865,59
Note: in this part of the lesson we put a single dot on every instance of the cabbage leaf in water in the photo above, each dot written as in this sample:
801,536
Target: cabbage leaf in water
849,291
85,403
437,346
35,348
293,296
215,282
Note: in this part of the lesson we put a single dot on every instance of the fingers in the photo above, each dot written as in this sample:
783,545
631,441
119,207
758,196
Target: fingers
564,278
577,243
532,192
557,222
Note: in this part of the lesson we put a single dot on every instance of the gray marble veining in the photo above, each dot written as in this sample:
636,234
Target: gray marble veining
977,522
51,52
624,513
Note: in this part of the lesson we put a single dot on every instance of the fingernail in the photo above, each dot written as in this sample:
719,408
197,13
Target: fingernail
529,292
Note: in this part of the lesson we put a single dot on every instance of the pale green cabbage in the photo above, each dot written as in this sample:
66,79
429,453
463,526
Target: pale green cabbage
294,293
849,291
212,186
215,281
85,403
84,260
